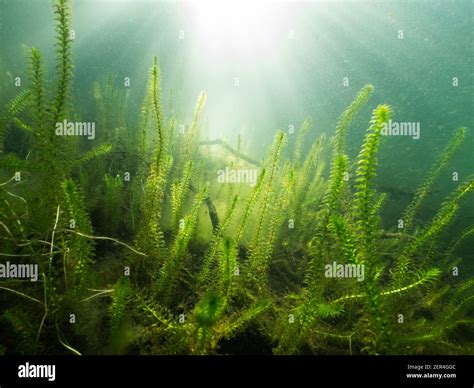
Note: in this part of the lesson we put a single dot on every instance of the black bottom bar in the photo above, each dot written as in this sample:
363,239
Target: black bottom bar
318,371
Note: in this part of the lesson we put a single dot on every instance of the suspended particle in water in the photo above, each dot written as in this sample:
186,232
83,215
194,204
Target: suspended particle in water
72,223
345,176
400,34
291,223
126,271
17,81
236,82
18,176
291,129
72,34
181,223
126,81
455,81
455,176
455,271
126,176
400,318
345,81
72,318
400,224
182,318
181,34
236,271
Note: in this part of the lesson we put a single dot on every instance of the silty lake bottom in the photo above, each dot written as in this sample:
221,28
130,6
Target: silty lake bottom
248,178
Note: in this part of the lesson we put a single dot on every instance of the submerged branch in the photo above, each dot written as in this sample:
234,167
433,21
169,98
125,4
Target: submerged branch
213,215
231,150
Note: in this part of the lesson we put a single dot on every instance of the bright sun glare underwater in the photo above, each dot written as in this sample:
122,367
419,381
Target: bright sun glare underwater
238,28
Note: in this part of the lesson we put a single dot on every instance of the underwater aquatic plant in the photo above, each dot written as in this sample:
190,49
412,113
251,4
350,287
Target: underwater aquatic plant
365,315
148,253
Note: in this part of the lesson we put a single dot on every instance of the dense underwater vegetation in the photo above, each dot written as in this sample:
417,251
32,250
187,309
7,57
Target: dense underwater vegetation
141,250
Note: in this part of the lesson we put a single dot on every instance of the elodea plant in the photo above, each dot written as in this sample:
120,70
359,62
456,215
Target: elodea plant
155,241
